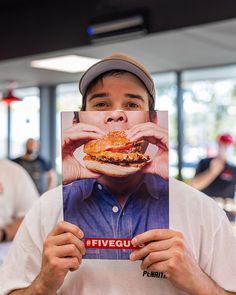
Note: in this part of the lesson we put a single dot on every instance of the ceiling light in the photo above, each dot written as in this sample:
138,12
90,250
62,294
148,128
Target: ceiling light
10,98
118,28
67,63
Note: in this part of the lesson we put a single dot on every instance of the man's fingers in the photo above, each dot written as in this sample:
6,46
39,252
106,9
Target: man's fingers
149,248
80,132
69,263
155,257
69,250
64,226
154,136
145,127
154,235
159,136
158,267
79,136
80,129
163,146
85,127
66,239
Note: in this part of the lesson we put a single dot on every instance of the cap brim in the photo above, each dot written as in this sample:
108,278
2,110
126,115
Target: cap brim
115,64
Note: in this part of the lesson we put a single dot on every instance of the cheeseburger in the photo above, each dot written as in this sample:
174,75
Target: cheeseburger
115,155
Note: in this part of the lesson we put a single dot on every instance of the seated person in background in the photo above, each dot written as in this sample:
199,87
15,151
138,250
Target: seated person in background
216,177
17,195
39,169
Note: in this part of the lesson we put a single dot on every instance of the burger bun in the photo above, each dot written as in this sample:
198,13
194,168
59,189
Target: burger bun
111,169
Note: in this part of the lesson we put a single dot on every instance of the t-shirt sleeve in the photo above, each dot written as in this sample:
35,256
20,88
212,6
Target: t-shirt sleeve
222,264
23,261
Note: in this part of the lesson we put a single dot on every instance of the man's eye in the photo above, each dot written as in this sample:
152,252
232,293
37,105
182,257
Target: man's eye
132,105
100,105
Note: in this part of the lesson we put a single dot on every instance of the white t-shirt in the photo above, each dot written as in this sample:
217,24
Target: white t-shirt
204,225
18,192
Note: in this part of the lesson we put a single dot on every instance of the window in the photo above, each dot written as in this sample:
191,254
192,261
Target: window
24,119
209,109
166,100
68,98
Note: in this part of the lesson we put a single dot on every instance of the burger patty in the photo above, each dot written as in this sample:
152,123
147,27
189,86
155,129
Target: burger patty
125,164
120,158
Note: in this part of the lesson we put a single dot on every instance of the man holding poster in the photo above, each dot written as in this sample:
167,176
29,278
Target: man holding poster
189,257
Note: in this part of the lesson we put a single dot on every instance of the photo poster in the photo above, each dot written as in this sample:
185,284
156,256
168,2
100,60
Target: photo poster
115,177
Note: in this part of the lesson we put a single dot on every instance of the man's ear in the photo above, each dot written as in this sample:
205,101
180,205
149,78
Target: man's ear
153,117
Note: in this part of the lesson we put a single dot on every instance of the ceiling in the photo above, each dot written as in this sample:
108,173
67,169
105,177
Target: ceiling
35,27
193,47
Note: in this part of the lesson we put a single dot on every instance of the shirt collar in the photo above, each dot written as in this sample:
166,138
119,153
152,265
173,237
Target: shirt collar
87,186
154,184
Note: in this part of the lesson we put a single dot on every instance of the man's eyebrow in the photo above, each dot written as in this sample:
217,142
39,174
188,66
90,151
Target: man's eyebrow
98,95
131,95
106,94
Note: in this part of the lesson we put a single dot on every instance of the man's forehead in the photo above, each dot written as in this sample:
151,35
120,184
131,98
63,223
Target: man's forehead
129,80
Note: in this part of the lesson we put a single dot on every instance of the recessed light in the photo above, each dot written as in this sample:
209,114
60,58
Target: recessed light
67,63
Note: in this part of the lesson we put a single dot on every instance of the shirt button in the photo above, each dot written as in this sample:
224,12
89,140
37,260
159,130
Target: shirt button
115,209
99,186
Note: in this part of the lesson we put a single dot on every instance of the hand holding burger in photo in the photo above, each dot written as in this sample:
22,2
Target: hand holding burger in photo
73,138
157,136
115,155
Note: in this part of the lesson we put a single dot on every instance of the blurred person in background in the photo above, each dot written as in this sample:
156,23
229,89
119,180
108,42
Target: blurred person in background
17,195
39,168
215,176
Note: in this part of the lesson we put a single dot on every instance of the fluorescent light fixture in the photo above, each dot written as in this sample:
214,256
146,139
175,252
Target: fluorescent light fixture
115,25
67,63
118,29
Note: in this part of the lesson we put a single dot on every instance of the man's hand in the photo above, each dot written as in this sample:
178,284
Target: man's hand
157,136
205,178
62,252
73,138
166,251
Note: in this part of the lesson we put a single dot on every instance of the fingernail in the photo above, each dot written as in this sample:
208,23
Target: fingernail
134,241
132,256
81,234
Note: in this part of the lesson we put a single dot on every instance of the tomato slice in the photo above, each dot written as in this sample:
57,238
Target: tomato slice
121,148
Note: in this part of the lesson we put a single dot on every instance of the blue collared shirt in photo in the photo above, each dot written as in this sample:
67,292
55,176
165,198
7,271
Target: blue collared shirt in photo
92,207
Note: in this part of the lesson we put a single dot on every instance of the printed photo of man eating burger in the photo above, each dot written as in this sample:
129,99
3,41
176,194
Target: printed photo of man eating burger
115,176
115,155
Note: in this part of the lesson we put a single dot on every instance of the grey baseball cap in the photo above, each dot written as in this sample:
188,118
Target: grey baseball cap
117,61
